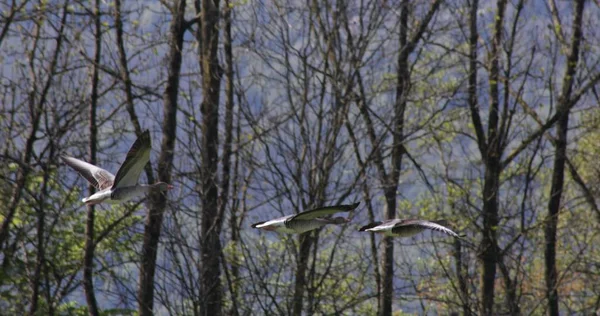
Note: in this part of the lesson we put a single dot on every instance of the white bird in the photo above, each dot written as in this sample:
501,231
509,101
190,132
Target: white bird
407,227
124,186
306,221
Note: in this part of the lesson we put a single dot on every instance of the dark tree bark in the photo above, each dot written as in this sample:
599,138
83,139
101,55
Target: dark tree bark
462,272
511,290
158,200
559,162
490,149
211,218
489,244
227,145
368,203
300,276
407,46
229,102
41,210
88,256
397,153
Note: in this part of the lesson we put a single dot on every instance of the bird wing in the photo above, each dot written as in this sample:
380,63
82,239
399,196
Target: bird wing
96,176
270,222
370,225
324,211
433,225
137,157
256,224
383,226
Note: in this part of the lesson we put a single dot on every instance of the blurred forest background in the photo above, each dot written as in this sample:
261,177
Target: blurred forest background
484,113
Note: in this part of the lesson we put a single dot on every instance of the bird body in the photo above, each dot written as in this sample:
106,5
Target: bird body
407,227
124,186
306,221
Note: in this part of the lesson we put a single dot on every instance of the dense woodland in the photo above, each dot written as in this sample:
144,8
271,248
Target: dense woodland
483,113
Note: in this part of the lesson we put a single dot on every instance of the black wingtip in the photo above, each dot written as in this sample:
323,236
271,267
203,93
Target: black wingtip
370,225
353,206
145,136
256,224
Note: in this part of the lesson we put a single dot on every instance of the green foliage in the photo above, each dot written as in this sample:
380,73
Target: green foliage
72,308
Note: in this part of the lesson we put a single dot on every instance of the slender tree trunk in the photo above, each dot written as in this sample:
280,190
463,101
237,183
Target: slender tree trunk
367,198
88,256
300,281
489,245
462,273
511,290
402,89
35,280
41,223
473,104
158,200
559,162
229,102
489,248
211,219
387,275
227,145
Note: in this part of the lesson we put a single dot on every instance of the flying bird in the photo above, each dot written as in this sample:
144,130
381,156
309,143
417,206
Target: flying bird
407,227
306,221
124,186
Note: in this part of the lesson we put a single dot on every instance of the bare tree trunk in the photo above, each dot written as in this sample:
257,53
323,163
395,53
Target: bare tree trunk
88,256
300,277
158,200
559,162
367,197
402,89
490,150
35,280
227,145
41,223
211,219
229,100
489,243
462,273
234,222
387,275
511,290
489,248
